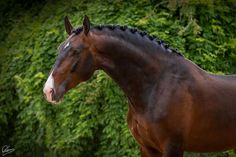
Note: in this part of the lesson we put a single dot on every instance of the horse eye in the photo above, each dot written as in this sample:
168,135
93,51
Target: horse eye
80,48
73,52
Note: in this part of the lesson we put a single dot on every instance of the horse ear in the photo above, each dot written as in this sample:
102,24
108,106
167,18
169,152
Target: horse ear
86,25
69,28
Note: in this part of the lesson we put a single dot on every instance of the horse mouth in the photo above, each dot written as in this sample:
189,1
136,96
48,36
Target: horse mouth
57,98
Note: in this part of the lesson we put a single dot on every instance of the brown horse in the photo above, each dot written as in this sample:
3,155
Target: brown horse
174,106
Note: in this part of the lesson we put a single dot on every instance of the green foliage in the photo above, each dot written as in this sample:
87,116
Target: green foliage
91,120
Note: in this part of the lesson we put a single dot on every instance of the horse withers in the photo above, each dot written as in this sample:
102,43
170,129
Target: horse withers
174,106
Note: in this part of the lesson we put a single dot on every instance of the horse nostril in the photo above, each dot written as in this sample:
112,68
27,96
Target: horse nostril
52,93
49,93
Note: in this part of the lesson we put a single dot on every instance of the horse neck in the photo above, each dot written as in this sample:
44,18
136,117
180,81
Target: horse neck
137,72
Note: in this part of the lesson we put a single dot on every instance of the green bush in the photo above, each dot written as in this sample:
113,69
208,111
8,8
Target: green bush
91,120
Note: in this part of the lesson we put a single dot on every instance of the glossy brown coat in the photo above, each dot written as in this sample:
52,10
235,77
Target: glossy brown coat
174,106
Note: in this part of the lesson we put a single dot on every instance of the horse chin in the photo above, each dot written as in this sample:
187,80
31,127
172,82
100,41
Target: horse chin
57,98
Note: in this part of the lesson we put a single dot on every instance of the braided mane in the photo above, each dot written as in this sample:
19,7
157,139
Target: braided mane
133,31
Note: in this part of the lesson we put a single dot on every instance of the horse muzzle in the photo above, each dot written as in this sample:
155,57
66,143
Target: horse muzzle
49,94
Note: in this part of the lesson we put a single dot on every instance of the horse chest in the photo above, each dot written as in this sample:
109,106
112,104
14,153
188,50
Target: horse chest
139,132
140,129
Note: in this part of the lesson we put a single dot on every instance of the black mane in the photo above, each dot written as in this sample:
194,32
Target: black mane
132,30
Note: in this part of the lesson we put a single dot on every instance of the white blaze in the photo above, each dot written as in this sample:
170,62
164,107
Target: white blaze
66,45
49,87
50,82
